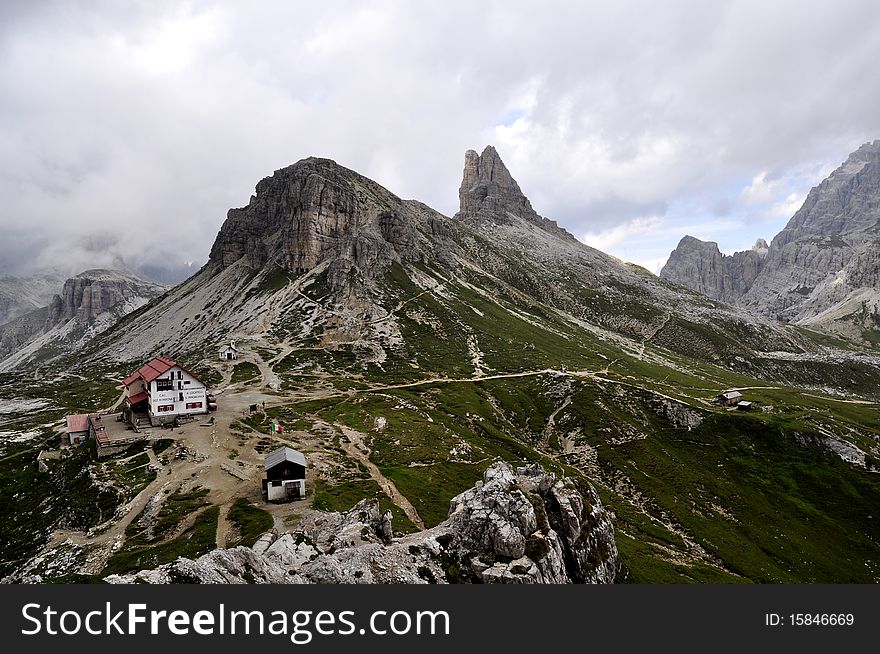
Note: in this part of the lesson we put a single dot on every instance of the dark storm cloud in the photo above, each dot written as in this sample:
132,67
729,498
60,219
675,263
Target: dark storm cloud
142,123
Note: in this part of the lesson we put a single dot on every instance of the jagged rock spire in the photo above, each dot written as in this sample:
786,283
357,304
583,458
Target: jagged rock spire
488,188
490,194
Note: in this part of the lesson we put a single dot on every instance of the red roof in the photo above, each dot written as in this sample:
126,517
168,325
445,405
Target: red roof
149,372
77,422
134,399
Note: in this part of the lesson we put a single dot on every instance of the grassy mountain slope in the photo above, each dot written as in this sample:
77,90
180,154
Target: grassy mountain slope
449,342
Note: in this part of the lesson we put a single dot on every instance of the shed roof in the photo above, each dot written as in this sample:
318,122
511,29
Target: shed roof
77,422
282,454
135,399
731,395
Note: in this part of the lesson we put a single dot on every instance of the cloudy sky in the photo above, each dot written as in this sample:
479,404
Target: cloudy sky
128,129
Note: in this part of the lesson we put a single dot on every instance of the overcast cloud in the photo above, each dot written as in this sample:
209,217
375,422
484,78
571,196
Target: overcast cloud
128,129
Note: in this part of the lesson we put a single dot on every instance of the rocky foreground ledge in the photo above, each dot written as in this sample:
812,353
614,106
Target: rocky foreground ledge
522,527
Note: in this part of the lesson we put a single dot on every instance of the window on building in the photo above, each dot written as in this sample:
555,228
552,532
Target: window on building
164,408
180,397
164,385
186,383
193,405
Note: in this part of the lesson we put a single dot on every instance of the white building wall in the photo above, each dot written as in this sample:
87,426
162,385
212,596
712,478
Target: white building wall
275,492
187,395
280,492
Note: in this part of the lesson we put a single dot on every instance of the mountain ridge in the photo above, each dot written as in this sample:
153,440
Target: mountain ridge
418,350
816,270
88,303
318,221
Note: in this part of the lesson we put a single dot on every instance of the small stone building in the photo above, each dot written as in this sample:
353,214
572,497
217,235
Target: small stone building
78,428
285,475
729,398
228,352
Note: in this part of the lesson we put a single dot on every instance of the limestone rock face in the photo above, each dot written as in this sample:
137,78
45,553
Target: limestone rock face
523,526
823,255
88,303
488,192
700,265
93,292
317,212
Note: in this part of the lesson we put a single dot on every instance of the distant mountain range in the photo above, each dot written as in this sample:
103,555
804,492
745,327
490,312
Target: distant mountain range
822,270
88,304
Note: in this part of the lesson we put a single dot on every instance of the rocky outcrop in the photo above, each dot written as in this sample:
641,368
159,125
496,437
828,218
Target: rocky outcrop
94,292
88,304
488,192
822,257
317,212
523,526
700,265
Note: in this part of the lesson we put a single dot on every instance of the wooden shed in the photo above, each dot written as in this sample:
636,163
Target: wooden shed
285,475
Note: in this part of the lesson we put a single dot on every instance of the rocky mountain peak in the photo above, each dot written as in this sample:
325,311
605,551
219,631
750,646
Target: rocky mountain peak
820,259
869,151
689,243
317,212
487,187
702,266
489,193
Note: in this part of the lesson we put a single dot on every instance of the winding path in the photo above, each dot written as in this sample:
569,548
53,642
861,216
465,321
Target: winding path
356,448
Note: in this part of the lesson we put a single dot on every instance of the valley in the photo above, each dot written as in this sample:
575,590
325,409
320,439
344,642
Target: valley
404,352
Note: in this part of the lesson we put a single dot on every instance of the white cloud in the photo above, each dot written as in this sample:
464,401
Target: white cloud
608,239
628,122
761,189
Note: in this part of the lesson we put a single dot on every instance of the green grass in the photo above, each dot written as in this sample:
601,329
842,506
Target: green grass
430,488
174,510
192,543
343,496
872,336
133,475
162,444
274,280
33,503
249,521
796,513
754,490
245,372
